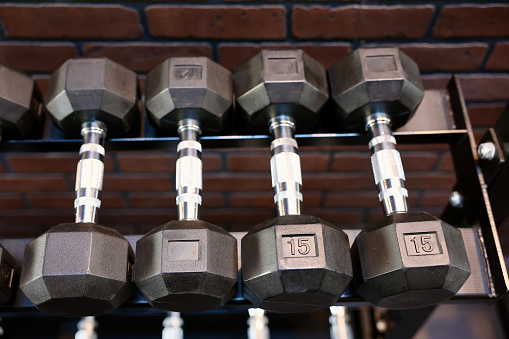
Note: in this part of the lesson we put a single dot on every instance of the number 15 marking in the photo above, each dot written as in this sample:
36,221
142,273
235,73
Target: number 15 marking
299,246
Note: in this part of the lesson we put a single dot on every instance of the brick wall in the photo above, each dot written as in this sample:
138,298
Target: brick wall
444,37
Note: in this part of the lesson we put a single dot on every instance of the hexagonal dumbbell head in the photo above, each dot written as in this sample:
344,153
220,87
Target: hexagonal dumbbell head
375,80
189,88
409,260
280,83
187,265
78,270
8,268
20,104
82,90
295,264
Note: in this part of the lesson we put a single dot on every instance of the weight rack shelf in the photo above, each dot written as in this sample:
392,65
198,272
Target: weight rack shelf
441,118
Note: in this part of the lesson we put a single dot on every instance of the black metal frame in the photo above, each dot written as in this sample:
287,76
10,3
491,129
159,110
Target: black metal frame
479,208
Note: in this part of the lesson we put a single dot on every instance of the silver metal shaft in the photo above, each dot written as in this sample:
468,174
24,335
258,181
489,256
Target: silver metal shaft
90,172
86,328
387,166
285,166
340,327
173,326
258,324
189,170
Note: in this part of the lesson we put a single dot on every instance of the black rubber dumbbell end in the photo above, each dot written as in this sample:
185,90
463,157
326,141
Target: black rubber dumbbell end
409,260
295,263
187,266
77,270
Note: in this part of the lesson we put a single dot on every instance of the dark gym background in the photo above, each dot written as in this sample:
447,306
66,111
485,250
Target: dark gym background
470,38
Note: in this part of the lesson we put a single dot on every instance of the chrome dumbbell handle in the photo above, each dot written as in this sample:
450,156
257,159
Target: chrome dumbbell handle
387,166
189,170
285,166
90,172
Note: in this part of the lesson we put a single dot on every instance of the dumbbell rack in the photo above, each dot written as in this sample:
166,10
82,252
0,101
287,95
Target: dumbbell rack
444,115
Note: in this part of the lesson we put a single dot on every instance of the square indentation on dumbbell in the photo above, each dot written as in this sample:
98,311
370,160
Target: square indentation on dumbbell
184,250
300,246
187,72
381,63
422,243
282,65
419,240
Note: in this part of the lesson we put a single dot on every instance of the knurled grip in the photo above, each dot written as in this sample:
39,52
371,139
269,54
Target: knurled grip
189,172
90,172
189,180
285,167
387,165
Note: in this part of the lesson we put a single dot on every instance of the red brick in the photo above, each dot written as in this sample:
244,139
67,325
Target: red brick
241,162
226,182
435,199
462,21
484,115
137,182
314,162
23,231
233,55
446,57
430,181
418,161
76,22
66,200
145,56
36,57
163,162
485,87
435,81
144,162
40,220
499,58
152,200
266,199
218,22
356,22
476,87
33,183
11,201
337,182
49,162
351,162
375,214
446,163
167,200
42,82
150,218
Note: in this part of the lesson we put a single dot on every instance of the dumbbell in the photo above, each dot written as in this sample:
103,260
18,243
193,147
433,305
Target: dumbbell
294,262
21,107
84,269
188,264
21,104
405,260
